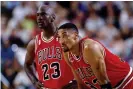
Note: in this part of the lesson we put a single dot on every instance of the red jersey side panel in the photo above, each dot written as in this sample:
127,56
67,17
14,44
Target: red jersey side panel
116,68
51,66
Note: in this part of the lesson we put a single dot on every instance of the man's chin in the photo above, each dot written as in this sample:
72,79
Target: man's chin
41,27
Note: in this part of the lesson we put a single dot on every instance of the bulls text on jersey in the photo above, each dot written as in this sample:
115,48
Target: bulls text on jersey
49,53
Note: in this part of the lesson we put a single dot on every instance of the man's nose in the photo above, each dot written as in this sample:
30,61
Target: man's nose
62,41
40,17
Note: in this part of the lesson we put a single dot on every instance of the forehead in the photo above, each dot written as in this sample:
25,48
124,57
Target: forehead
44,9
66,31
61,31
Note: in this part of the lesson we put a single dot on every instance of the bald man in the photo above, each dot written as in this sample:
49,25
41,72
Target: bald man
46,52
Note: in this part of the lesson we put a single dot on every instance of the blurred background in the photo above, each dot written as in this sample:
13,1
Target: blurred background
109,22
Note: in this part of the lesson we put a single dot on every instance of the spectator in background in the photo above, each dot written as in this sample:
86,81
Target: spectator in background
9,63
126,16
22,33
93,22
126,21
79,21
4,30
126,32
5,10
22,81
61,14
7,53
129,49
21,11
107,32
110,10
73,10
117,45
14,39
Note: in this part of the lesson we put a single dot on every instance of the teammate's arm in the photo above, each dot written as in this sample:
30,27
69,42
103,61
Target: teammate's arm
29,60
74,73
94,54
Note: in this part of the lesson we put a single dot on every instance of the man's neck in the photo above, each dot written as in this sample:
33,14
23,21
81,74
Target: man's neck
50,31
76,49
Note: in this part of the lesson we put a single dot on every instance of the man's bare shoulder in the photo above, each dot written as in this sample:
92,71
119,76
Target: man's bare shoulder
31,44
91,44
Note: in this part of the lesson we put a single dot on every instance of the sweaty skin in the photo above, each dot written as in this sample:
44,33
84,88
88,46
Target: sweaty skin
93,53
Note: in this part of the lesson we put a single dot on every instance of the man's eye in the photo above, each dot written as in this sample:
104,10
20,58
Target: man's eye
64,36
37,14
42,13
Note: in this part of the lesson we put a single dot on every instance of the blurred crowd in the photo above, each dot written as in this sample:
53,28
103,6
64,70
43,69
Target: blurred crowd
111,23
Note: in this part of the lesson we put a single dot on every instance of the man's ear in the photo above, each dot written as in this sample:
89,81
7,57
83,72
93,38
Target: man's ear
52,17
75,35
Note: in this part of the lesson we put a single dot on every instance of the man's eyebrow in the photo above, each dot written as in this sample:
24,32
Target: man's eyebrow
41,13
64,32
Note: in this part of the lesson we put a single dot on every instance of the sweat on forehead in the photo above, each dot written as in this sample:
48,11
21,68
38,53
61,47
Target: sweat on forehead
45,8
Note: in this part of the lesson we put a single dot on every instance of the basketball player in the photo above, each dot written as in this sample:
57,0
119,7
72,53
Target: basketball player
46,52
92,63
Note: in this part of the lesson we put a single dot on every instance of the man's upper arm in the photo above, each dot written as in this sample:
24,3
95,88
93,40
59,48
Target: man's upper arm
30,52
94,55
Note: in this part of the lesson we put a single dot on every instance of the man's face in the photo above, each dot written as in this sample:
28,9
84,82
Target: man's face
43,17
66,40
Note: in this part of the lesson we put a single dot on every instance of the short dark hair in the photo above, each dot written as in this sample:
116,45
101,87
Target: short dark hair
69,26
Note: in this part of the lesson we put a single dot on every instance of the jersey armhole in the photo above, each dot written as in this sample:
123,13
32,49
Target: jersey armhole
69,59
82,45
36,42
104,53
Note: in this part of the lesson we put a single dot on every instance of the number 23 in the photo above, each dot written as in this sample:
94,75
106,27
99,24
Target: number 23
53,65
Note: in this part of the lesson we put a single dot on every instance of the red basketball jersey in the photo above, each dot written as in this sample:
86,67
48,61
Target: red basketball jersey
51,67
116,69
